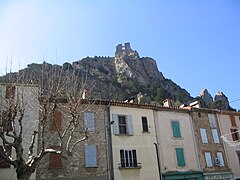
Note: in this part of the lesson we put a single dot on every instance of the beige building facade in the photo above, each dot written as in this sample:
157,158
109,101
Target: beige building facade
176,146
211,152
133,142
230,126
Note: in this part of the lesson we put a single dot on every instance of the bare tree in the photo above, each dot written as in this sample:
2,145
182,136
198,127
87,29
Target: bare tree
57,90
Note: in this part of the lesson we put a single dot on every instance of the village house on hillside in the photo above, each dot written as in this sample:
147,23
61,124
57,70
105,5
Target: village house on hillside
176,144
211,152
133,135
126,140
28,95
229,123
89,160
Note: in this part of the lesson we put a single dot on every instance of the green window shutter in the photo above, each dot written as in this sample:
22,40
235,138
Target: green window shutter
176,129
180,157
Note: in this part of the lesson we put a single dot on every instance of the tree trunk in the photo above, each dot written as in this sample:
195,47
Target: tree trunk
24,172
24,177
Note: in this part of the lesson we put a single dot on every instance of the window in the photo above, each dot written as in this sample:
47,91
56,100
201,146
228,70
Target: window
180,157
212,120
233,122
10,91
215,136
128,158
203,135
219,159
199,115
122,124
89,121
6,123
235,135
3,163
176,129
56,121
55,160
90,156
208,159
144,124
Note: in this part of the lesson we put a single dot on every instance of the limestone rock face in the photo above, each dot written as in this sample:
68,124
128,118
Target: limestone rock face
119,77
204,94
221,101
134,67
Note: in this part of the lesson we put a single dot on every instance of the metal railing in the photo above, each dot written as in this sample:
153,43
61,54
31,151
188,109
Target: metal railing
130,165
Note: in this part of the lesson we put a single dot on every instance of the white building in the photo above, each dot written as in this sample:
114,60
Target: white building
133,142
28,95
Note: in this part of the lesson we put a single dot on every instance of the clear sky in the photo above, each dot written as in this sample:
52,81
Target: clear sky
195,43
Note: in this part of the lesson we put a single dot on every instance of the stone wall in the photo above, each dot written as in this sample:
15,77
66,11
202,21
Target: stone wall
200,120
73,167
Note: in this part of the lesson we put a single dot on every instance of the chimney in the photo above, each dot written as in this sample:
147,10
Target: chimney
167,103
84,94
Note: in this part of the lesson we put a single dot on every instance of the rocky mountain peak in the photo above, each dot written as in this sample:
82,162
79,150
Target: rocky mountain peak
206,96
128,64
119,78
221,101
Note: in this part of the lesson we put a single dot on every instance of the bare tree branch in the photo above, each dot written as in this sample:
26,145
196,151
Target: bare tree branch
6,157
5,141
30,152
78,141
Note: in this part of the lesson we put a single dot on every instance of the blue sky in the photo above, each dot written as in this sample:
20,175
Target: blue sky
195,43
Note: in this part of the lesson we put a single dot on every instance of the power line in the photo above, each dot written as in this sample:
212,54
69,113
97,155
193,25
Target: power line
234,100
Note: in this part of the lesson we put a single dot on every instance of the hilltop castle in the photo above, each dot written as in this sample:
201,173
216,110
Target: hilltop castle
125,49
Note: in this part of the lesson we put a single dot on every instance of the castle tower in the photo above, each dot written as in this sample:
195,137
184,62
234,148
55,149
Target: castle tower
126,49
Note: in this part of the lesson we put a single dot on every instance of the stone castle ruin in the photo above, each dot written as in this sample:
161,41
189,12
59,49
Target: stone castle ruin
124,49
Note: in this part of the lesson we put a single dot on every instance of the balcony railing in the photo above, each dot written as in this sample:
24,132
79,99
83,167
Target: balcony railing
129,165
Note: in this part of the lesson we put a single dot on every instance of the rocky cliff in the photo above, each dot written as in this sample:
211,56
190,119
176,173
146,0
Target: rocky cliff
220,100
120,77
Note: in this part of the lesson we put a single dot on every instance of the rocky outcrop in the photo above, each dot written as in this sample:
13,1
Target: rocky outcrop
204,94
119,77
221,101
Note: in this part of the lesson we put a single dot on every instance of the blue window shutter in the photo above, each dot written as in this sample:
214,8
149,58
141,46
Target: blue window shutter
203,135
180,157
129,124
208,159
90,156
176,129
89,121
215,136
115,124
